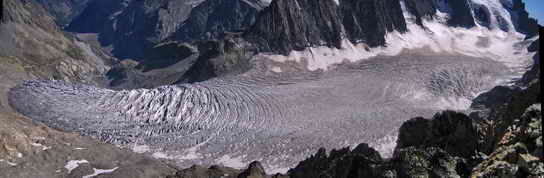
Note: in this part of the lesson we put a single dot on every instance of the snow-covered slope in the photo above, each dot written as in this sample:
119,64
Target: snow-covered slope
493,36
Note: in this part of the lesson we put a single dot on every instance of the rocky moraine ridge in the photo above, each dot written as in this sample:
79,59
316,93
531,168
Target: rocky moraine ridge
221,103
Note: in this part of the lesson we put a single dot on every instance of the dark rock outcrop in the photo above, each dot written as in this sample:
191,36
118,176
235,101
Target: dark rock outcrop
362,161
218,58
428,162
421,9
368,21
167,54
97,17
166,64
255,170
210,19
519,152
461,14
202,172
1,11
130,27
534,72
482,14
525,24
288,25
64,11
451,131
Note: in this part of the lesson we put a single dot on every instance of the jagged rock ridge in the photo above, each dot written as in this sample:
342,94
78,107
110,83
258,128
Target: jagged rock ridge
294,25
130,28
212,18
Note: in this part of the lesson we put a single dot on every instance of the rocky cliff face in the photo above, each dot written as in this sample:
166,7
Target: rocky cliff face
421,9
524,23
64,11
285,26
210,19
2,11
130,28
294,25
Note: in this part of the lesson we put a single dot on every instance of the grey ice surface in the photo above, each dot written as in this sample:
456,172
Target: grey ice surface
276,118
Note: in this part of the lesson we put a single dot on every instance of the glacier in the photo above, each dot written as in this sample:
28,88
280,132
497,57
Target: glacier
288,106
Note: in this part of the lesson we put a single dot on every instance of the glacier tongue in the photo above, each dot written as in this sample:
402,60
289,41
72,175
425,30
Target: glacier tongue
278,118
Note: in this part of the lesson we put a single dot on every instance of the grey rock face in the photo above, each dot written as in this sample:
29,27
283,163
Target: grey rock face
294,25
2,11
522,21
131,27
64,11
421,9
461,14
450,131
211,18
368,21
363,161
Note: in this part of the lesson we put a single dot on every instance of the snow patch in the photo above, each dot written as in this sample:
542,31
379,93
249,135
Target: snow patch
385,146
276,69
228,161
190,153
503,47
73,164
161,155
8,162
277,170
453,103
40,145
100,171
140,148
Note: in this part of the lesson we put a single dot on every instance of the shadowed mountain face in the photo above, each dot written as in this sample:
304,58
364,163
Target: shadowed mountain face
211,18
64,11
130,28
294,25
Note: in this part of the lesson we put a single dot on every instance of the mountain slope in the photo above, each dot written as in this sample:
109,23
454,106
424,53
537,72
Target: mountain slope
33,47
64,11
130,28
